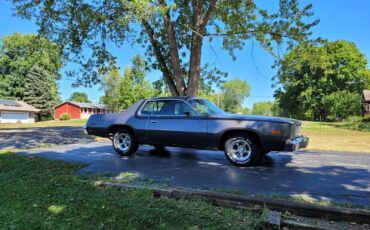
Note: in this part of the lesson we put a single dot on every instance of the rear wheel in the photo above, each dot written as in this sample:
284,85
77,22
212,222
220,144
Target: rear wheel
124,142
242,150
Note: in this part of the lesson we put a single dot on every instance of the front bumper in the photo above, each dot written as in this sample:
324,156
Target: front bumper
296,143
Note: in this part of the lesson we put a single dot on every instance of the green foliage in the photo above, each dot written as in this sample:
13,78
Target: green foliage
29,68
47,194
171,32
262,108
244,110
65,117
122,92
40,91
367,118
231,97
342,104
110,84
354,122
315,79
79,97
233,94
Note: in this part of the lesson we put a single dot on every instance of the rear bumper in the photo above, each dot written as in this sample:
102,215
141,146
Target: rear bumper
296,143
84,129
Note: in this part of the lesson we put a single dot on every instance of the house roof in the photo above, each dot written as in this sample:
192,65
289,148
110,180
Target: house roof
366,95
86,105
10,105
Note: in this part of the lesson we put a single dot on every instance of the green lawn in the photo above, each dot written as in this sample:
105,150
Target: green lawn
42,194
43,124
336,136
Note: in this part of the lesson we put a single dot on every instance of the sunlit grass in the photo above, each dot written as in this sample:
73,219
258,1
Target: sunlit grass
336,137
37,193
43,124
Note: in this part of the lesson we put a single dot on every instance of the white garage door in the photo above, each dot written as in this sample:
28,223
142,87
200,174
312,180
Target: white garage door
14,117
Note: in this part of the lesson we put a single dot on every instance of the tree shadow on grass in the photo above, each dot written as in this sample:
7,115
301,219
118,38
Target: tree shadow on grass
41,137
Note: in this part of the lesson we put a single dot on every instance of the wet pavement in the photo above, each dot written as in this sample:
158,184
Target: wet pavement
339,177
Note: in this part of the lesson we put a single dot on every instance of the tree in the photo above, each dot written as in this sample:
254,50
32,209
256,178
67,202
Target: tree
233,94
79,97
310,73
110,84
262,108
244,110
40,92
171,32
29,68
122,92
341,105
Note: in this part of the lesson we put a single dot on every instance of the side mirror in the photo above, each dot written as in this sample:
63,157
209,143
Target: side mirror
188,113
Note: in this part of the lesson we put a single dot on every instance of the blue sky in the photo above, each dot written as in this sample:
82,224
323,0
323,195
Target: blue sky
339,19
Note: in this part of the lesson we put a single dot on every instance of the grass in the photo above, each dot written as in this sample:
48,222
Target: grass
37,193
44,124
336,136
309,200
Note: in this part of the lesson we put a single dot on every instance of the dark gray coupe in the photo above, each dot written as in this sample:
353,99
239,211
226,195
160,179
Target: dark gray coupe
196,123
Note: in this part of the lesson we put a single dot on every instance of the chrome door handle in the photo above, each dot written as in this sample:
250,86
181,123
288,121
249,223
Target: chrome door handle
154,121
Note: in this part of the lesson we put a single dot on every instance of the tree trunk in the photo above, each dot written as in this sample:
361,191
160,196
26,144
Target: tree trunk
159,56
194,67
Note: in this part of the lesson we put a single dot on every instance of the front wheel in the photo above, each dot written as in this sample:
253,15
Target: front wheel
242,150
124,142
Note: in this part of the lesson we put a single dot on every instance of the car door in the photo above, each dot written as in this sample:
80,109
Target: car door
174,122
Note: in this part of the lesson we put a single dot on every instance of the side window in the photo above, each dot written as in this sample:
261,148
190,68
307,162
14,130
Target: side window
148,108
171,108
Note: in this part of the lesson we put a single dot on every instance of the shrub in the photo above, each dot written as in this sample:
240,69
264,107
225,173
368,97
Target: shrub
367,118
342,105
65,116
354,122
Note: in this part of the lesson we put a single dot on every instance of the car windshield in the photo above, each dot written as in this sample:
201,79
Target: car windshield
205,107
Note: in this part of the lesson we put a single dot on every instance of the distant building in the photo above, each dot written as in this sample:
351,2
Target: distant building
16,112
366,97
79,110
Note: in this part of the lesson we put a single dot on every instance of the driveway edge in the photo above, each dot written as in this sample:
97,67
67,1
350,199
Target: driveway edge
258,203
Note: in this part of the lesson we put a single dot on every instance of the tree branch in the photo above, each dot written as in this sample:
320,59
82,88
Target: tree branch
209,12
245,33
162,63
175,60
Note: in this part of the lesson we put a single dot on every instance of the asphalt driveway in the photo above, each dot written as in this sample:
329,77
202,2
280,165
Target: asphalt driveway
339,177
41,137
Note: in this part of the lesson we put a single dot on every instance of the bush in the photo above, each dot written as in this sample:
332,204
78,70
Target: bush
342,105
65,116
354,122
367,118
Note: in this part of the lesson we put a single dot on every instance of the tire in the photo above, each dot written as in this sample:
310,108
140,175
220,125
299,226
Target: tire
244,156
124,142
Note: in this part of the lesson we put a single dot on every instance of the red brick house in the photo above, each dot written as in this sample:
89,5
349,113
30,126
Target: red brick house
366,97
79,110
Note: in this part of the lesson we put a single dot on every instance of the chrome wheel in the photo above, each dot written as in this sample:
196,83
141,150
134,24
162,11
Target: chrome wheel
123,142
240,150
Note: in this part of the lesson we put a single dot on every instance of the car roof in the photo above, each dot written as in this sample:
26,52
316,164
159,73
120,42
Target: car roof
167,98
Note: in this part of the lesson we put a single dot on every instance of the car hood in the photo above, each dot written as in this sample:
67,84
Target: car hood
256,118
